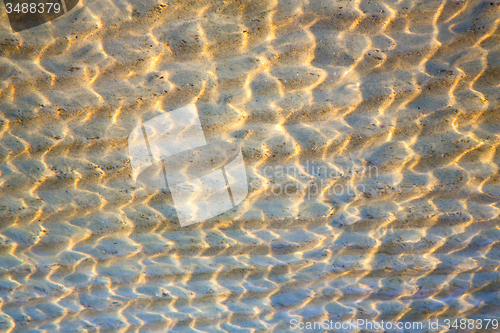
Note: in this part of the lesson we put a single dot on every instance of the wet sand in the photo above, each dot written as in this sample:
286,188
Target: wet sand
370,134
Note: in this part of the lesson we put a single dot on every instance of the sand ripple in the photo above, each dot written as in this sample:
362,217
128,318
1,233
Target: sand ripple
384,115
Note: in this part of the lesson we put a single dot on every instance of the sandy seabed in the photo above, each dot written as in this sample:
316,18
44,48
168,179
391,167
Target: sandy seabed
370,133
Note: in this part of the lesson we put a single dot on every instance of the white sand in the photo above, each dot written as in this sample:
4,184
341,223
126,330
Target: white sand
385,117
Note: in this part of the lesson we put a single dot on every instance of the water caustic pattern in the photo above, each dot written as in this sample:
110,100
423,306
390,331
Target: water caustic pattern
370,134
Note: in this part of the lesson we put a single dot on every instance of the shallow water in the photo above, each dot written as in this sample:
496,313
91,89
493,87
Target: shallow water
370,134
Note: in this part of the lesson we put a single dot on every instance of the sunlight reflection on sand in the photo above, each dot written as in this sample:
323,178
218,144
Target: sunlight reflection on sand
410,88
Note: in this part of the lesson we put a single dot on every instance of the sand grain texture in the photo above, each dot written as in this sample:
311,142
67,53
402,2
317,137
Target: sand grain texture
385,116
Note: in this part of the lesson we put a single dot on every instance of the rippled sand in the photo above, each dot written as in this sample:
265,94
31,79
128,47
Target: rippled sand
409,89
